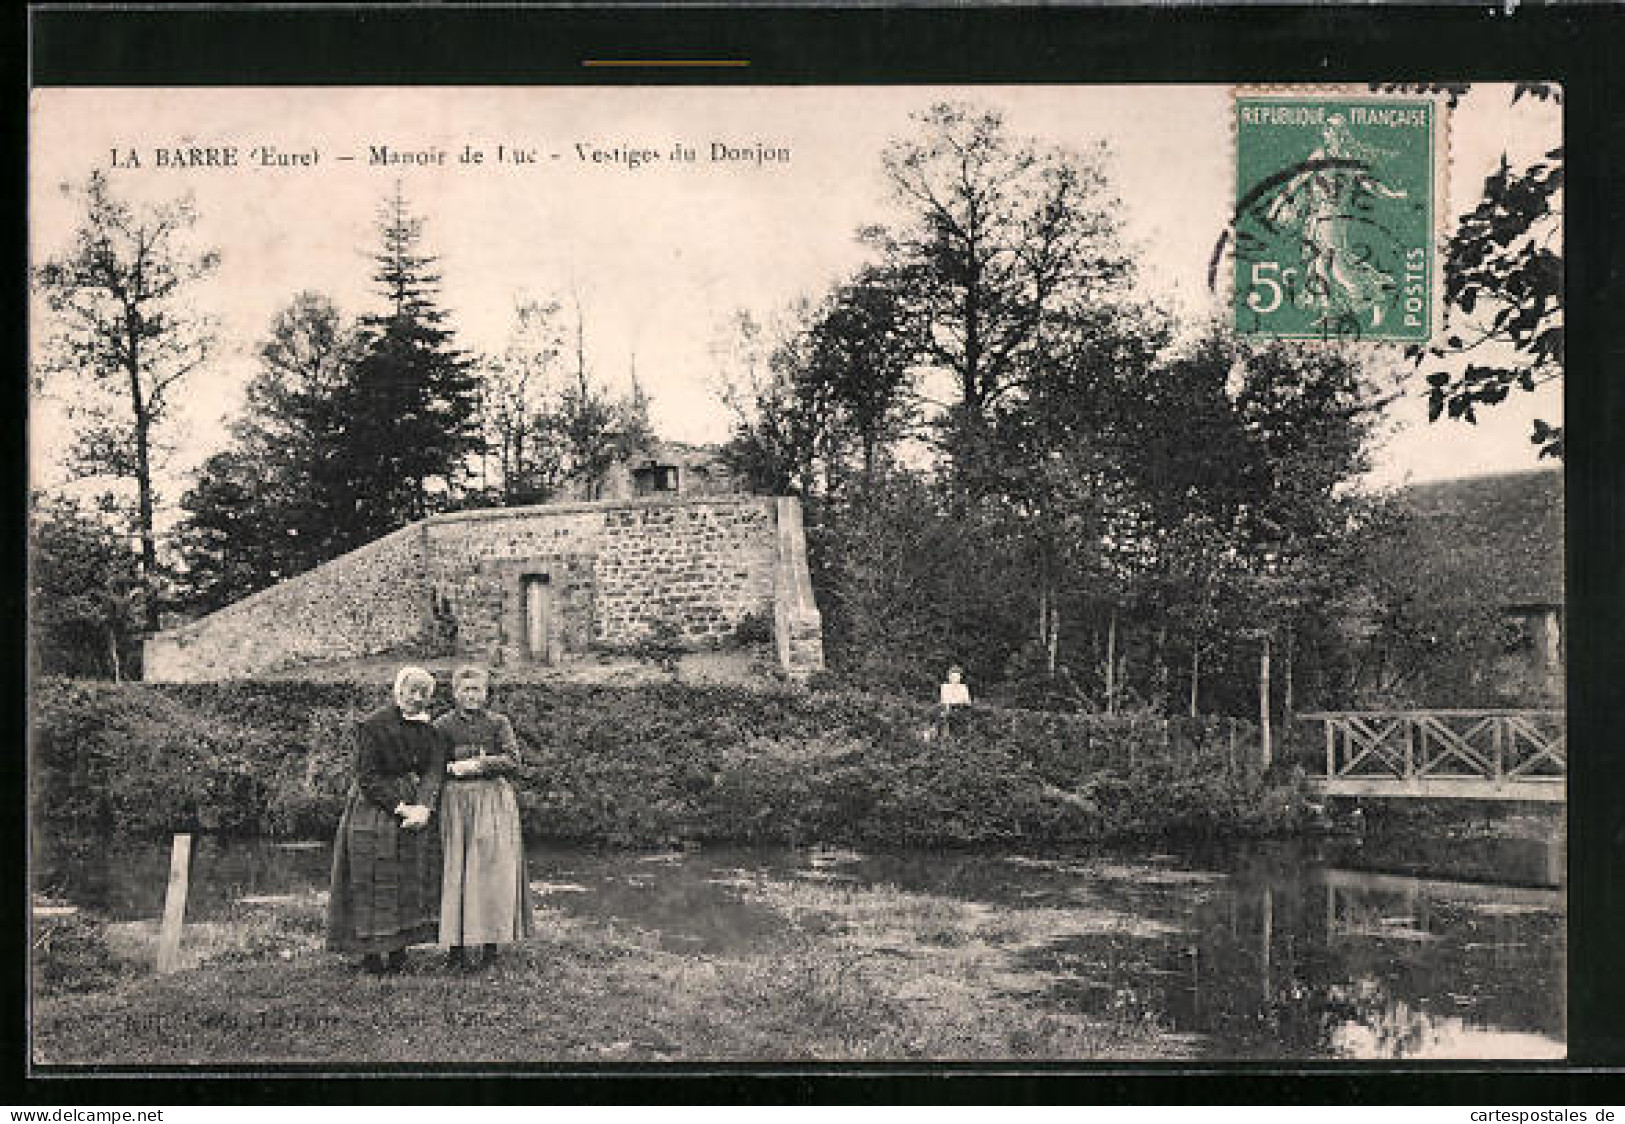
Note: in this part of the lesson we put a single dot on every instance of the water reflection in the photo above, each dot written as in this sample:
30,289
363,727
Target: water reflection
1297,960
1301,950
1404,1033
126,882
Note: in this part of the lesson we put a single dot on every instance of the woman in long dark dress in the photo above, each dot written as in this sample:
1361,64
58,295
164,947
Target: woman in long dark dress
386,859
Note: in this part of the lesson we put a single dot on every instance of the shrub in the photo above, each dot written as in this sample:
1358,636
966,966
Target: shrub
755,627
657,764
662,645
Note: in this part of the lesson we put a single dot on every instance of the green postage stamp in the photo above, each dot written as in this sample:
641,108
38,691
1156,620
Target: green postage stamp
1336,204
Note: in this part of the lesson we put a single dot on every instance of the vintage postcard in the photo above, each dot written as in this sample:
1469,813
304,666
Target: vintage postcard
578,575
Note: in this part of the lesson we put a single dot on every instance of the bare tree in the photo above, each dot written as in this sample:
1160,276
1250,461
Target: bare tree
519,392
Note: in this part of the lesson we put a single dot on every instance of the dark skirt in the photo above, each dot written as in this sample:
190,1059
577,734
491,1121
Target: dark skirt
386,882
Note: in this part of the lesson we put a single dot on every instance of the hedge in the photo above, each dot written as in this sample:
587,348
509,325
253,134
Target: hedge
661,764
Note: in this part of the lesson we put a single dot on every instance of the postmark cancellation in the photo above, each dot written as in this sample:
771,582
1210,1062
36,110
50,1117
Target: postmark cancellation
1338,214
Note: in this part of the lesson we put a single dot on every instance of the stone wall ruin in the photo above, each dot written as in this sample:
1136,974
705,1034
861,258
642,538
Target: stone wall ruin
510,586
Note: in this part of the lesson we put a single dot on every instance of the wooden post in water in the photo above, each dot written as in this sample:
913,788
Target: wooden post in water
1111,664
1196,981
1264,943
169,936
1264,742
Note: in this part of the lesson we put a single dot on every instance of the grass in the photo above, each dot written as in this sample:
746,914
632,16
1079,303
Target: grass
857,974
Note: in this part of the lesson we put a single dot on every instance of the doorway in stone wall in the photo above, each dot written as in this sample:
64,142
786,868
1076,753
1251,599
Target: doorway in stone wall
538,604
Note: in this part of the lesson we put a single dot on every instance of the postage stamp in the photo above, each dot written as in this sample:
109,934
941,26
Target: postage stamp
1336,204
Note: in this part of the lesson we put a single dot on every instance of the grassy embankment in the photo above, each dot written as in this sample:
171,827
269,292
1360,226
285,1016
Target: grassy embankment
855,975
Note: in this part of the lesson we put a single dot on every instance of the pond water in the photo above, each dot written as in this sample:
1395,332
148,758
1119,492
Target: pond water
1308,949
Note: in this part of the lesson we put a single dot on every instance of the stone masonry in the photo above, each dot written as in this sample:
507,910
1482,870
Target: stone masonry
357,605
525,585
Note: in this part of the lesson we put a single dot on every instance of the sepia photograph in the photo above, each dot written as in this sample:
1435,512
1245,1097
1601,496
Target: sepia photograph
600,574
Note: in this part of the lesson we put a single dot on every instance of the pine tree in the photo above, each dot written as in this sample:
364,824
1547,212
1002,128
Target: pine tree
412,417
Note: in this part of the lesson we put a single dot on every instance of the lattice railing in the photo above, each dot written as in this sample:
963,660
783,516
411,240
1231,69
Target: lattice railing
1497,745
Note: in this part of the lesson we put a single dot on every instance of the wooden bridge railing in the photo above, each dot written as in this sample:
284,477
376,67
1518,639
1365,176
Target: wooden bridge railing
1498,746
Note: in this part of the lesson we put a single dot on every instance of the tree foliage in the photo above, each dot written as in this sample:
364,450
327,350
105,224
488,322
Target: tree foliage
1425,636
594,430
823,396
1503,272
410,411
294,424
275,502
519,394
352,429
349,430
1000,239
126,338
861,366
547,429
1112,518
233,540
86,593
777,433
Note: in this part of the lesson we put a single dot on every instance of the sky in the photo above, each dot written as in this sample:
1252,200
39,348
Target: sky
659,252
